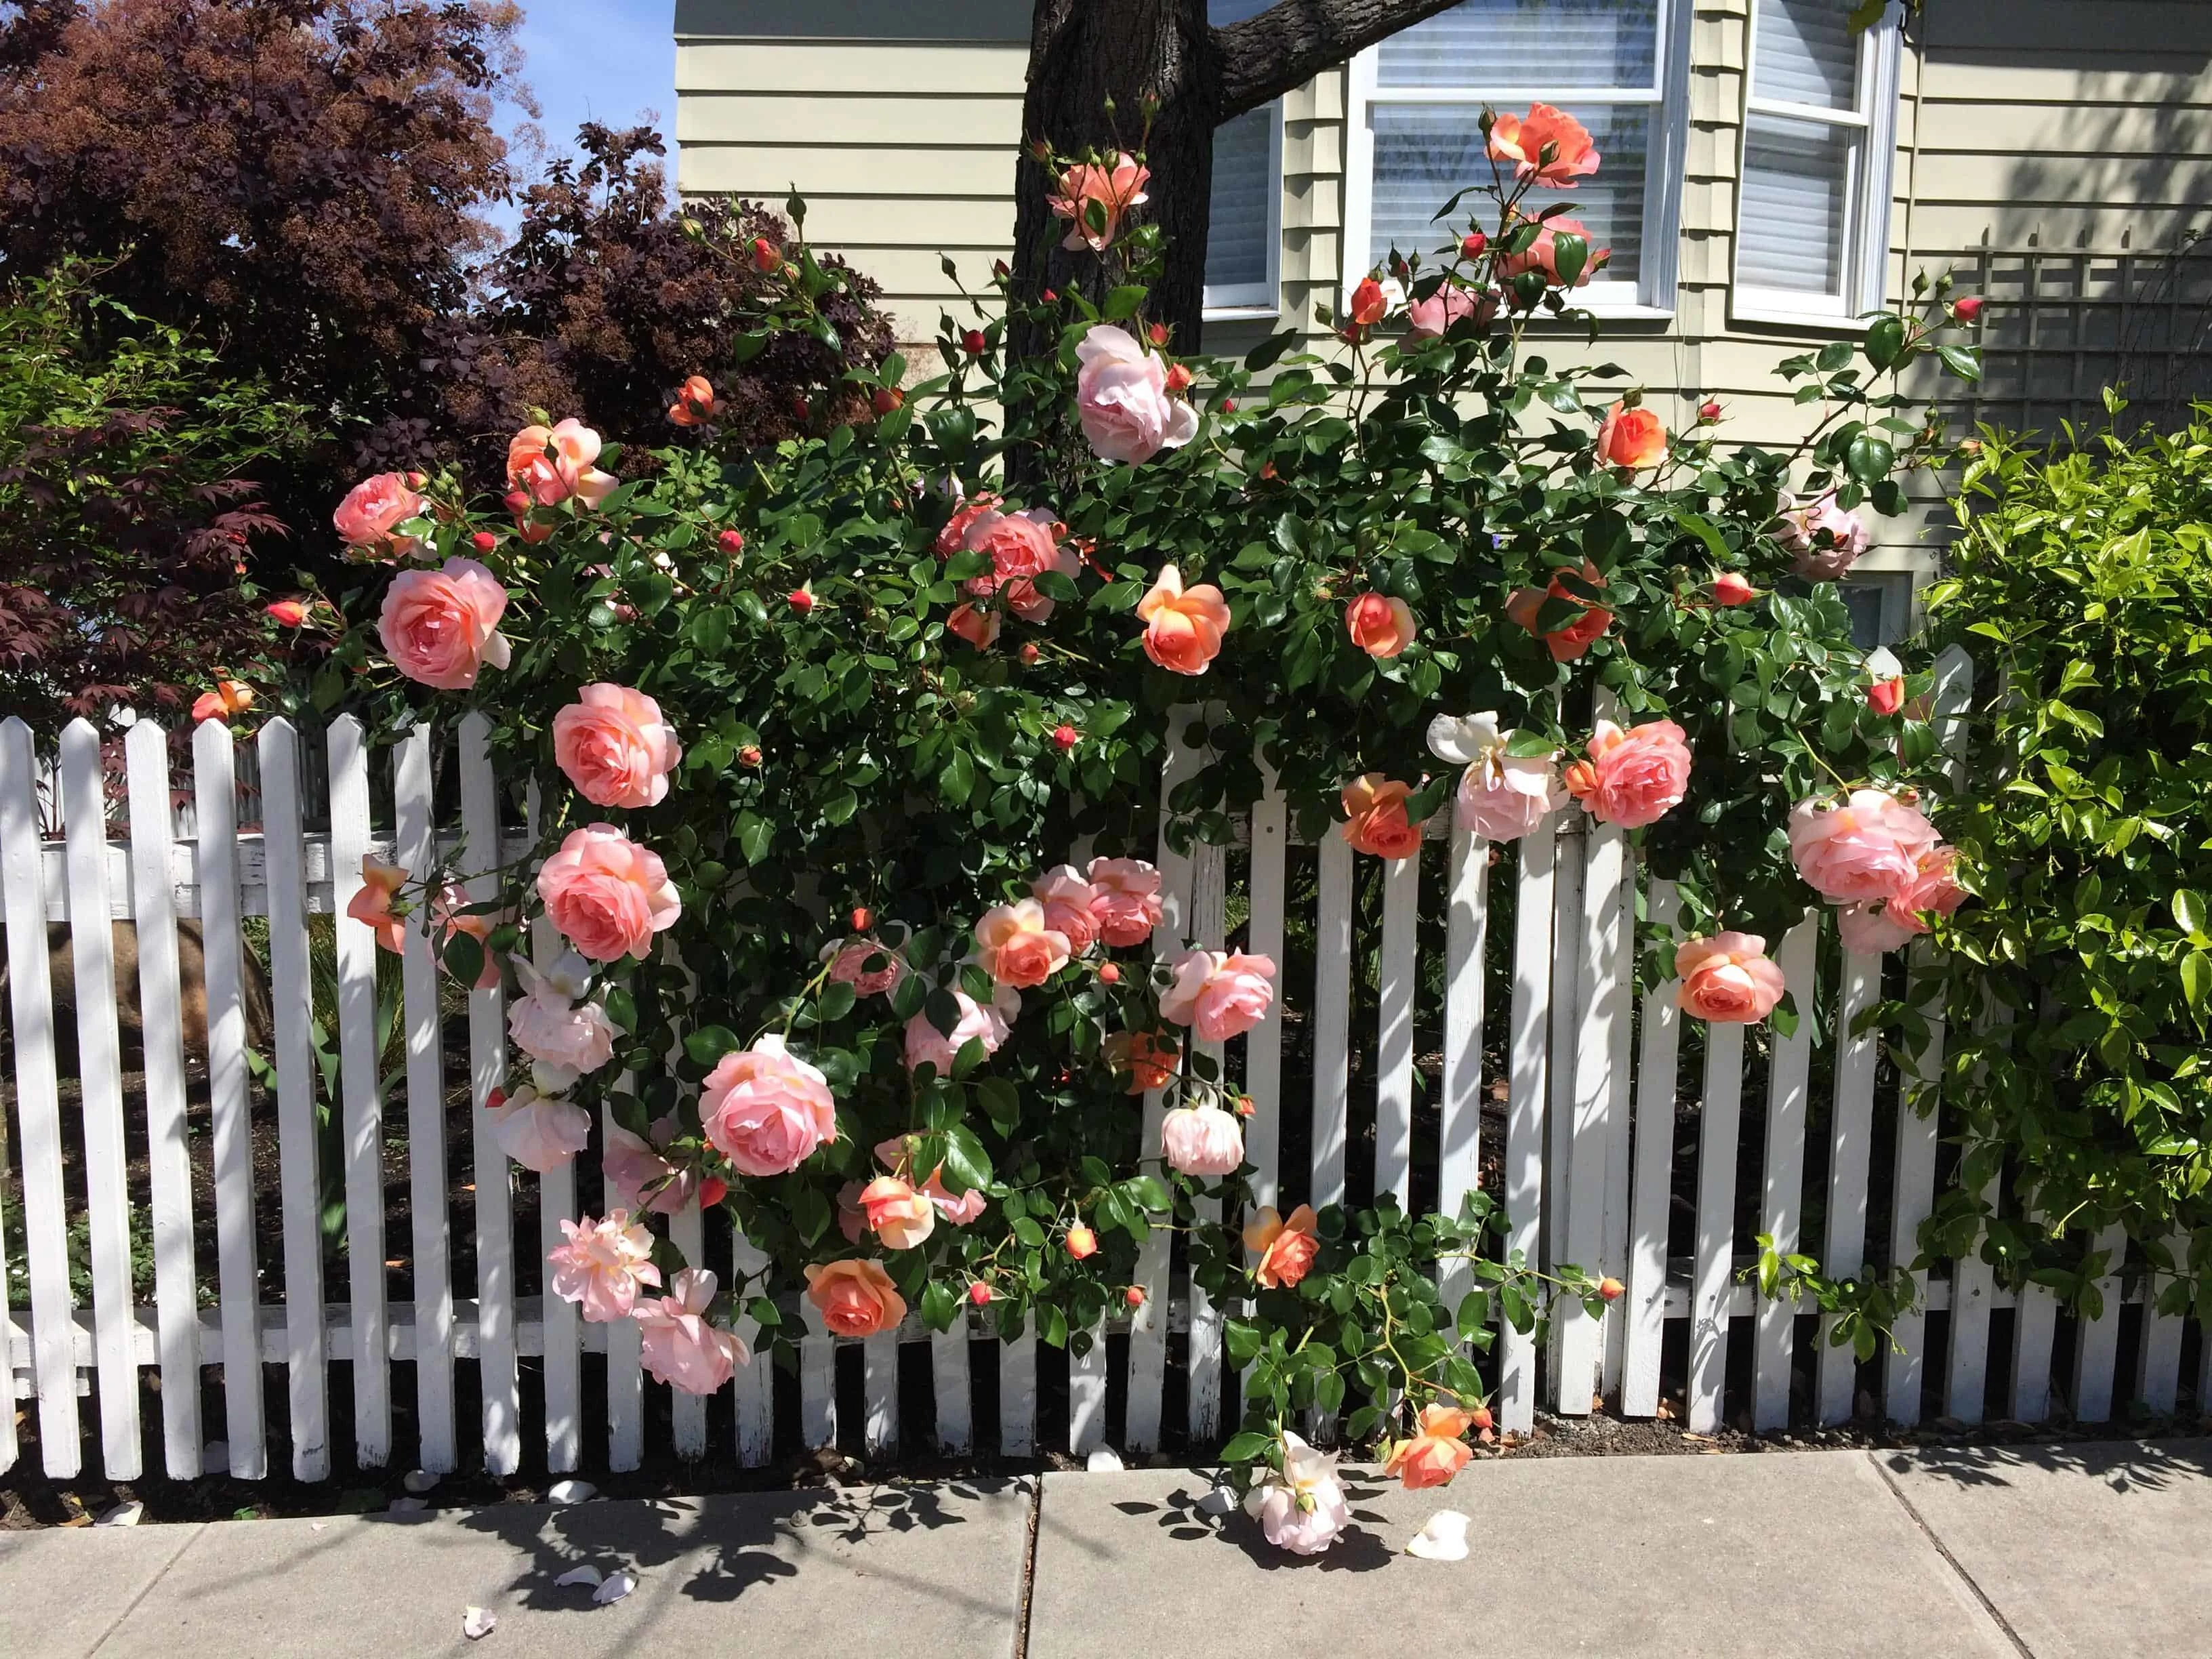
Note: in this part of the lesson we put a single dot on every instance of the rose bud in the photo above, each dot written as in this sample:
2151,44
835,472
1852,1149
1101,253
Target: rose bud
731,542
1244,1106
418,480
1066,736
1030,653
1081,1242
1109,973
1178,378
1228,405
1158,333
1729,588
713,1189
979,1293
1134,1296
1473,244
1049,297
1709,412
885,399
484,541
1967,309
287,613
516,502
801,600
801,410
972,342
767,256
1610,1289
1479,1417
749,755
863,918
998,269
1886,697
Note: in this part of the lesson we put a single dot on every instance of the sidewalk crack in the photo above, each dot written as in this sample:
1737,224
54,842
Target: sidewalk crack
115,1624
1029,1569
1944,1550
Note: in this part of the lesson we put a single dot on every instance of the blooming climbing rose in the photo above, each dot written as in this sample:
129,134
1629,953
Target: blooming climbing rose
677,1343
1375,818
1219,994
1632,438
552,464
1286,1246
372,906
442,627
1302,1508
615,747
1632,777
1433,318
1147,1057
1121,398
1015,947
1728,979
1827,538
1126,899
988,1023
896,1213
1202,1140
1502,796
1381,626
1522,140
1573,638
766,1110
1435,1454
1869,929
602,1265
1865,851
564,1040
1543,253
855,1298
645,1181
539,1131
1115,188
1183,627
371,512
607,895
892,1154
868,965
1070,906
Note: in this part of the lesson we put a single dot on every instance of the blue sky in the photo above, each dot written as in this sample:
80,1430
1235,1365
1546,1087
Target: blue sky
599,60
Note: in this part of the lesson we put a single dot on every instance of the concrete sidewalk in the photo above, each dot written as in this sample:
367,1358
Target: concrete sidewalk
2096,1552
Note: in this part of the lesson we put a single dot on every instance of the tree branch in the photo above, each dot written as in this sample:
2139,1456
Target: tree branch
1287,44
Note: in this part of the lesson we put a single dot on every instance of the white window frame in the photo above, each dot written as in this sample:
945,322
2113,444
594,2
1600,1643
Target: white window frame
1865,263
1652,295
1228,301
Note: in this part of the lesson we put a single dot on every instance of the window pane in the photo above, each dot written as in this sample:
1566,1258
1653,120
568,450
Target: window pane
1426,152
1244,184
1790,220
1531,44
1807,54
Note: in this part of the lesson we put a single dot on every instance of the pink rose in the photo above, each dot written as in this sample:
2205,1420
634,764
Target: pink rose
606,894
988,1023
1302,1508
678,1346
1219,996
1070,906
1115,188
1632,777
1433,318
539,1131
1542,254
440,627
373,509
897,1213
1202,1140
552,464
1381,626
1867,850
614,746
1869,929
602,1266
372,905
1183,627
766,1110
1728,979
1127,899
1522,139
1827,540
1016,948
1502,796
641,1177
567,1040
1121,398
893,1155
848,965
978,626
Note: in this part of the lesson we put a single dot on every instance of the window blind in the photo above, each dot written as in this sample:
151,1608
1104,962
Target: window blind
1527,44
1807,54
1243,186
1793,210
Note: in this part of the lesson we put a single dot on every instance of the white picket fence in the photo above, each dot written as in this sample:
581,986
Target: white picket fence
1589,1152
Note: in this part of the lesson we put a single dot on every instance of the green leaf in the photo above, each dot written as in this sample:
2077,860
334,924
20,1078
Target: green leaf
967,1165
1123,302
1885,339
1964,361
1269,351
1250,1446
2189,910
957,780
1870,458
710,1043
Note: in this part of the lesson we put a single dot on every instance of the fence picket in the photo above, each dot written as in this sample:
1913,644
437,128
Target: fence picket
1526,1086
687,1413
556,1203
1843,1253
430,1226
216,795
1596,971
2097,1340
169,1171
99,1083
291,997
1332,1020
496,1348
948,1377
1966,1384
1467,926
1643,1309
1913,1186
1263,1046
818,1381
2158,1369
755,1386
879,1377
1565,1000
1712,1279
1783,1201
363,1089
1202,1397
38,1105
1086,1394
2035,1334
1620,1148
1017,1393
1397,976
625,1350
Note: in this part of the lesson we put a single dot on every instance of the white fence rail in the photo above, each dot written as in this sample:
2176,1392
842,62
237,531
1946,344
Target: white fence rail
1416,1049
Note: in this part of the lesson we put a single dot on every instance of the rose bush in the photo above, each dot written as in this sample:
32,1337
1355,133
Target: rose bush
863,734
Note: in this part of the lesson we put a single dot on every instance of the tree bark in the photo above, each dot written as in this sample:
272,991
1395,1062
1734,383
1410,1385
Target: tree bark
1085,53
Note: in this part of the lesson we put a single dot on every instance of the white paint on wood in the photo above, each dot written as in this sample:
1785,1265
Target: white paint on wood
755,1386
1850,1137
1913,1187
2158,1369
2097,1340
1965,1385
880,1377
301,1183
556,1203
1086,1393
1202,1394
1331,1018
1263,1046
1783,1199
687,1413
625,1347
1467,925
169,1161
429,1224
1598,945
1527,1082
1709,1305
818,1381
2034,1335
216,798
1619,1150
948,1377
362,1097
1399,973
1644,1306
1017,1393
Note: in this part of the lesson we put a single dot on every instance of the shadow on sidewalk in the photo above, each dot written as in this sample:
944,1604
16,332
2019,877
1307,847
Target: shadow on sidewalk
1187,1513
2120,1465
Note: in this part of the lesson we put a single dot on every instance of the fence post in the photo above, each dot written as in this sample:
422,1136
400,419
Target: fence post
1527,1084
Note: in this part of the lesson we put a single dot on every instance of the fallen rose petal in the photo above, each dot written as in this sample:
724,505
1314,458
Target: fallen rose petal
123,1514
570,1492
418,1480
477,1624
1219,1502
1104,1461
1443,1539
591,1575
408,1506
618,1586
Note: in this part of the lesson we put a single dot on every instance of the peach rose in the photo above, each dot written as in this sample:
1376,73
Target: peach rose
1115,188
229,699
1121,398
1375,818
607,895
372,905
550,465
440,627
1381,626
1070,906
1183,627
615,747
1219,996
1286,1248
979,627
1572,639
1868,929
678,1345
988,1023
696,403
1502,796
539,1131
1202,1140
1826,539
1016,948
648,1182
603,1264
766,1110
1728,979
372,511
855,1298
849,966
1865,851
1632,777
1523,140
1435,317
1435,1454
954,536
1147,1057
1634,438
895,1155
1543,253
1126,899
895,1213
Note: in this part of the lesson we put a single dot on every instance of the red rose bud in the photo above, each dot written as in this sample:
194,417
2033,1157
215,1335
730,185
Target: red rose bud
1480,1417
484,541
1473,244
801,410
1159,333
1178,378
1066,736
749,755
1134,1296
713,1189
1081,1242
731,542
418,480
1709,412
767,256
287,613
979,1293
1049,297
1729,588
1967,309
863,918
998,269
516,502
1030,653
886,398
1610,1289
1886,697
1109,973
801,600
1244,1106
495,1100
1368,303
972,342
1228,405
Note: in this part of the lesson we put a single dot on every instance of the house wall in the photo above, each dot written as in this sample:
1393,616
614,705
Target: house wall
2078,123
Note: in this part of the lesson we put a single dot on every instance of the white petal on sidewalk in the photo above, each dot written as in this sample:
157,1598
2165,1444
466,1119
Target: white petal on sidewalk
419,1481
618,1586
591,1575
570,1492
477,1624
123,1514
1444,1538
1104,1461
